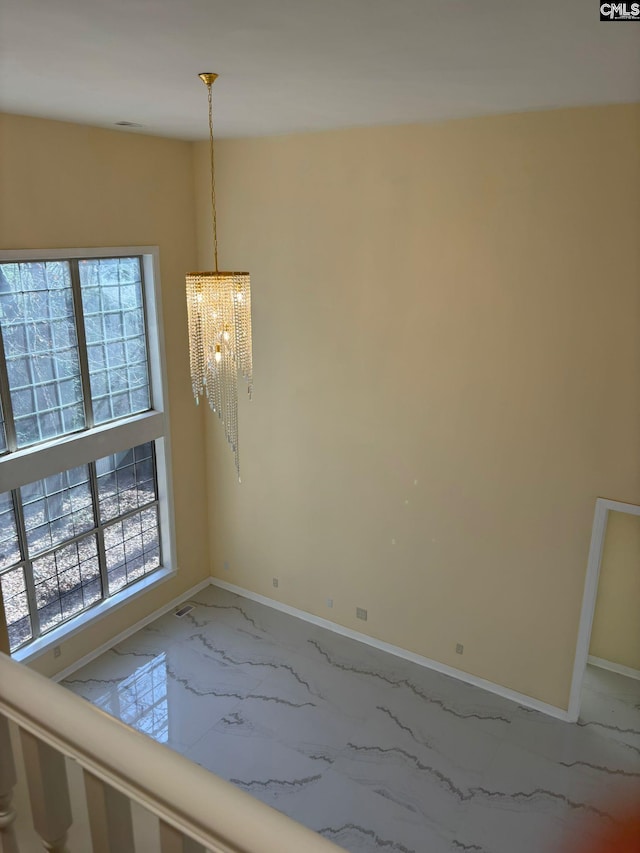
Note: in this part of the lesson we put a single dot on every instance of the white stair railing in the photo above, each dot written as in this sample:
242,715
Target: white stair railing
197,811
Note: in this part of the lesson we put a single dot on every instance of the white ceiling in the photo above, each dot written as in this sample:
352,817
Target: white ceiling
301,65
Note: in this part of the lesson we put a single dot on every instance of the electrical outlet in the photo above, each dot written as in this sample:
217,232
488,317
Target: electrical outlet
329,602
225,565
57,651
459,648
276,582
361,613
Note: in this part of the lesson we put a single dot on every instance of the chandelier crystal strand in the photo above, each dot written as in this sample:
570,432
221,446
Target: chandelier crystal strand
243,329
196,349
219,313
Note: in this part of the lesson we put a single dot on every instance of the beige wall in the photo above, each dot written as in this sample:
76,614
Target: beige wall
66,185
615,635
447,357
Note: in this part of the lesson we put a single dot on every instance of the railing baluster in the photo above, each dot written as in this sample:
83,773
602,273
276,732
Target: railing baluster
174,841
8,843
48,792
109,817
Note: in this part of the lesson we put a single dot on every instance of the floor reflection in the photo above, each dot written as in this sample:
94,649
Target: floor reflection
141,700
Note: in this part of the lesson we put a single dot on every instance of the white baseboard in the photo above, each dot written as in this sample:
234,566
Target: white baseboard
614,667
428,663
483,684
123,635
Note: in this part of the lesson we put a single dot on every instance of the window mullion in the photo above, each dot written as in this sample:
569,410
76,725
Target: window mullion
82,343
143,288
102,554
157,502
5,397
28,566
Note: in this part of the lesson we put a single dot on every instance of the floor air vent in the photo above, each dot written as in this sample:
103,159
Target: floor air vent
183,611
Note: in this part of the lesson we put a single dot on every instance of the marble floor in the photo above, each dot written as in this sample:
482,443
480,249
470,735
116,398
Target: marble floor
374,752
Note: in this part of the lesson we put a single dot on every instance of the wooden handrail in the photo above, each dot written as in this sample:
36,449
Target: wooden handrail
199,804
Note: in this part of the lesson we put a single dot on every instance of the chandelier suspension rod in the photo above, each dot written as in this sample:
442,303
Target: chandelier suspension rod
208,80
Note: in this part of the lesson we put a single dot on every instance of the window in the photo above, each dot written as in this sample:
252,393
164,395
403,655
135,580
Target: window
84,476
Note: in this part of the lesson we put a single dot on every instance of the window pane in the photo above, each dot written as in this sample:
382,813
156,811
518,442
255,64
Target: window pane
116,344
57,508
67,581
9,547
16,606
126,481
132,548
41,348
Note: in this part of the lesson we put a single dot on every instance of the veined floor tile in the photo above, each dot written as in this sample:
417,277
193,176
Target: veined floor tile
255,762
363,819
375,752
536,801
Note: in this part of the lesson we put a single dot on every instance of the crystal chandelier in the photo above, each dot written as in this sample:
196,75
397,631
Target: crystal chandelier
219,310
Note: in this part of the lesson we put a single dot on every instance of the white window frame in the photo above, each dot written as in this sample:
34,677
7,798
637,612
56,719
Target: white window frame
47,458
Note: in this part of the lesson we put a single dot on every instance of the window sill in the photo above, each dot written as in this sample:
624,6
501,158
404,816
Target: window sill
53,638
